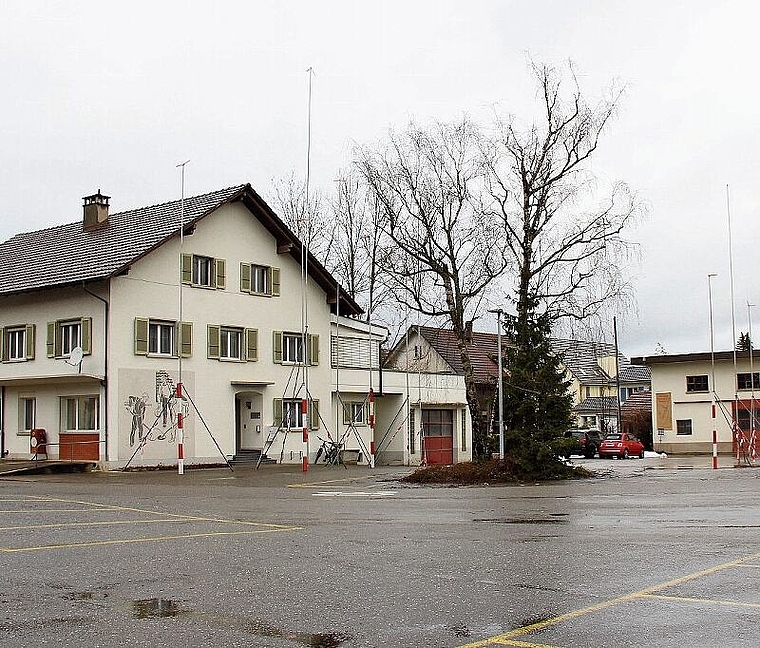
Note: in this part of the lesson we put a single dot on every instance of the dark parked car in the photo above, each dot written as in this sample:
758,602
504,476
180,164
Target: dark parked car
621,445
588,441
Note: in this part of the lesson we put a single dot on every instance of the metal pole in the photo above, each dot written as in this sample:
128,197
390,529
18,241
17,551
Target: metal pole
712,365
180,416
752,385
617,377
501,391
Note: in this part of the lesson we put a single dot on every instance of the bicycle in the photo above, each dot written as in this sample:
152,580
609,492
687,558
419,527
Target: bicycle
331,451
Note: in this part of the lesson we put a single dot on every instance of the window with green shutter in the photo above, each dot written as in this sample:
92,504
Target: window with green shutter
257,279
17,343
251,344
313,341
203,272
63,336
166,338
213,341
314,414
277,414
277,346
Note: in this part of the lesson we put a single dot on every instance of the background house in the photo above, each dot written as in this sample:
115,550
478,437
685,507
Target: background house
684,388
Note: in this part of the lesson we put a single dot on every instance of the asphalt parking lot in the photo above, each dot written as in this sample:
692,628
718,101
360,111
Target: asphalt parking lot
654,551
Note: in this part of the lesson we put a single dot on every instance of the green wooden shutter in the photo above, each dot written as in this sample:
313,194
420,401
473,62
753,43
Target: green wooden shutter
277,402
3,346
85,329
58,341
277,346
186,268
251,344
245,277
141,336
346,413
213,341
313,344
220,266
30,341
185,340
314,415
51,339
274,281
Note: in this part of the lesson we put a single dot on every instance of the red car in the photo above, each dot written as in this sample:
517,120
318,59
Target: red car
621,445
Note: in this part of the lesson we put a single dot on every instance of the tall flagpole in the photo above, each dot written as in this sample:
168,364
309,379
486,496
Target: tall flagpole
733,318
306,232
180,421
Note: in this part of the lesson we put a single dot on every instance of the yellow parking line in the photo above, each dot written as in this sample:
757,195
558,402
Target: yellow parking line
90,524
687,599
524,644
76,545
41,510
110,507
533,627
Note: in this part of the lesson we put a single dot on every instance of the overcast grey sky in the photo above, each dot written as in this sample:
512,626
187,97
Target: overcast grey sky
113,97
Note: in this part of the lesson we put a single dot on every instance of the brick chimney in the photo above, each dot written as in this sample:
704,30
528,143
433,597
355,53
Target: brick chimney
95,210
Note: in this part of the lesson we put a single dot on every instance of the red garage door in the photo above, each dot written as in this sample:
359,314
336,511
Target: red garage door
438,436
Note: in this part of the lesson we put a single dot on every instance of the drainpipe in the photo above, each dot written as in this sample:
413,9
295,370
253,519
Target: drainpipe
2,422
105,367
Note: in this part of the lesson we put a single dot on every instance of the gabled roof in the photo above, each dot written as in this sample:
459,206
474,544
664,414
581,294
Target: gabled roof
597,404
580,358
483,351
69,254
635,374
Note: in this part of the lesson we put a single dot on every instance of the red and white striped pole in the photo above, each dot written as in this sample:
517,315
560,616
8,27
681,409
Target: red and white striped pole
180,432
372,428
305,419
714,442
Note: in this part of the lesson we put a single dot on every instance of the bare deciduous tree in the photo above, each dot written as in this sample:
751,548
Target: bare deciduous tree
566,243
444,256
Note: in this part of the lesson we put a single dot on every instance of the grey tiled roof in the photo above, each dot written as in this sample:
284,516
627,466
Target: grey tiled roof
69,254
580,357
483,350
635,374
638,402
596,404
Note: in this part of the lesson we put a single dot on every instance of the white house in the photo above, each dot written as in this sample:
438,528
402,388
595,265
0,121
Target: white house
684,389
226,309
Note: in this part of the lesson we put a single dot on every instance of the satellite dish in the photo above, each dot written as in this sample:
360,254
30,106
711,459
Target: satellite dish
75,358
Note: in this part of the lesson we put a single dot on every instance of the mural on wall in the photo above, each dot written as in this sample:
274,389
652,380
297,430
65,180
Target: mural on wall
163,426
151,412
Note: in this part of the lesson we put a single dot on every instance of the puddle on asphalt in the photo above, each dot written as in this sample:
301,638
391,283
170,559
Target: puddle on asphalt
316,640
155,608
532,620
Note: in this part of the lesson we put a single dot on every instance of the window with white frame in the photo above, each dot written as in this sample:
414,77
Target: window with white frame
27,414
355,413
260,279
748,381
292,348
203,271
230,343
79,413
683,427
71,334
292,414
161,338
697,383
15,340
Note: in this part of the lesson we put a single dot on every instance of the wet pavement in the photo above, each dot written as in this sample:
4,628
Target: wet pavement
654,551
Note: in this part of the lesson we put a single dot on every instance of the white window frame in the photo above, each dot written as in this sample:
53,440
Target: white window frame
679,428
15,339
80,405
156,341
226,335
71,336
292,345
27,414
203,271
292,416
260,279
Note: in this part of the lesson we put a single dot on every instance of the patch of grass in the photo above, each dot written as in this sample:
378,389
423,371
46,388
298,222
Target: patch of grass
494,471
